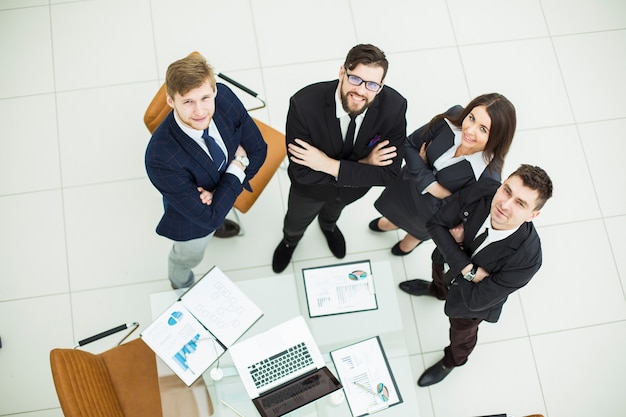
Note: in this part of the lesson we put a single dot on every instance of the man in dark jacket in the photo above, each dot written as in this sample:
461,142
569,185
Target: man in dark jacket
343,137
486,236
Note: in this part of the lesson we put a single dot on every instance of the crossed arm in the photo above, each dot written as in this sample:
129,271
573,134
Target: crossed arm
305,154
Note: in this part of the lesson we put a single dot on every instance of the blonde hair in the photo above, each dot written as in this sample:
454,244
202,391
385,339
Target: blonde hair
188,73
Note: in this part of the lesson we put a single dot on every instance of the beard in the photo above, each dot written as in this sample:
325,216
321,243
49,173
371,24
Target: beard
344,103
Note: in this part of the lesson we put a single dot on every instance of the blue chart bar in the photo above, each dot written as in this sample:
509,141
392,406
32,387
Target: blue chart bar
189,348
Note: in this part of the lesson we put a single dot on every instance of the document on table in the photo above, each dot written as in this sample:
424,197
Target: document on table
340,288
196,330
367,379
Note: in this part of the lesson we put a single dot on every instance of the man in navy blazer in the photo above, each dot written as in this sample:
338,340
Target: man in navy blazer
199,158
486,236
329,171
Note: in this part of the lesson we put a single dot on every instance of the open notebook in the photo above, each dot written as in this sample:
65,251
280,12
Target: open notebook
191,334
282,369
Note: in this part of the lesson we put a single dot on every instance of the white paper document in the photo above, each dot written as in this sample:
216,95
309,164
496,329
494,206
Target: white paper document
191,334
367,379
341,288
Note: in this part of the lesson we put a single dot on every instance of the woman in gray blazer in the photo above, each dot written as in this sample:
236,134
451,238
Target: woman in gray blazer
456,149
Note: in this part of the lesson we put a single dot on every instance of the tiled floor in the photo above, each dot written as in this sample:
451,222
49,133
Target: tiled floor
77,213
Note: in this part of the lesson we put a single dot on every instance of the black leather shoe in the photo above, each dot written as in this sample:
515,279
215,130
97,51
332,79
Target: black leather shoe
336,242
228,229
282,256
434,374
415,287
374,225
395,249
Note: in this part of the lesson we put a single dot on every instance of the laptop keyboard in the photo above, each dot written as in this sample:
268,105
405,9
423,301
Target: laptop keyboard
289,392
284,363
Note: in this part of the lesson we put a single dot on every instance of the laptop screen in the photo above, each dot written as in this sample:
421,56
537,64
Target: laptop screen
297,393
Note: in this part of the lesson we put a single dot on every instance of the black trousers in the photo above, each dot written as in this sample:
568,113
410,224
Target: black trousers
463,331
301,211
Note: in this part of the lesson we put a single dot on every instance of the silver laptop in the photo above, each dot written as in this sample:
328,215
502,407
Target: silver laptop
282,369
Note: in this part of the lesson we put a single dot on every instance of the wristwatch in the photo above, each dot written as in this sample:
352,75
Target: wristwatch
243,160
471,274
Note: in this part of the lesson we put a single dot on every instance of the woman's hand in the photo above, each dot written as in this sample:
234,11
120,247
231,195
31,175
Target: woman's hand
423,153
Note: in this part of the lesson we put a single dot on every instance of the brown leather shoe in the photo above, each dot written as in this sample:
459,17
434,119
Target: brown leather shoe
228,229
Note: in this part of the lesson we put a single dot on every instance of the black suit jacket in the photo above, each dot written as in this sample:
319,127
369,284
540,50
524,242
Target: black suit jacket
511,262
312,118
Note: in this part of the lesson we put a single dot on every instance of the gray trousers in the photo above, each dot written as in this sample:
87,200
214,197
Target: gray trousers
184,256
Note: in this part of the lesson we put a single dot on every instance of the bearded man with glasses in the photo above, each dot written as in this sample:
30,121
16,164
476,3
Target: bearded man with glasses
343,137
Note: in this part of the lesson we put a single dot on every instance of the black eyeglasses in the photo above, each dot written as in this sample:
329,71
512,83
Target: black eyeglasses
370,85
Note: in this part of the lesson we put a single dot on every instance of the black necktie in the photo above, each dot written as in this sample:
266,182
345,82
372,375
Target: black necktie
349,140
217,154
478,240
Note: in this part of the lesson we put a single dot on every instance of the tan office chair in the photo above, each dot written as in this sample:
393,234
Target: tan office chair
122,382
276,147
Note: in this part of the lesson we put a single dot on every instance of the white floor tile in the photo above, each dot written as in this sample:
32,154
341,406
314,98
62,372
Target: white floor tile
419,24
26,52
431,80
106,145
32,162
110,235
557,298
222,31
616,229
504,380
559,152
591,63
33,245
566,17
30,328
114,48
527,73
16,4
603,147
306,38
581,370
519,19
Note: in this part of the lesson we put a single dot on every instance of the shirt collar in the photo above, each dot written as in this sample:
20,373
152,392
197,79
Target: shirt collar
494,235
191,132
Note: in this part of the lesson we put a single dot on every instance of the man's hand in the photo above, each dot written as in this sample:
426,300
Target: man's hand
380,155
205,196
480,275
303,153
240,151
458,233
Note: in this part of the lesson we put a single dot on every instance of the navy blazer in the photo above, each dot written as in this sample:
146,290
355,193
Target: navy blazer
177,165
312,118
511,262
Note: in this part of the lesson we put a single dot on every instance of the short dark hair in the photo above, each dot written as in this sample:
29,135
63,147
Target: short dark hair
366,54
188,73
537,179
